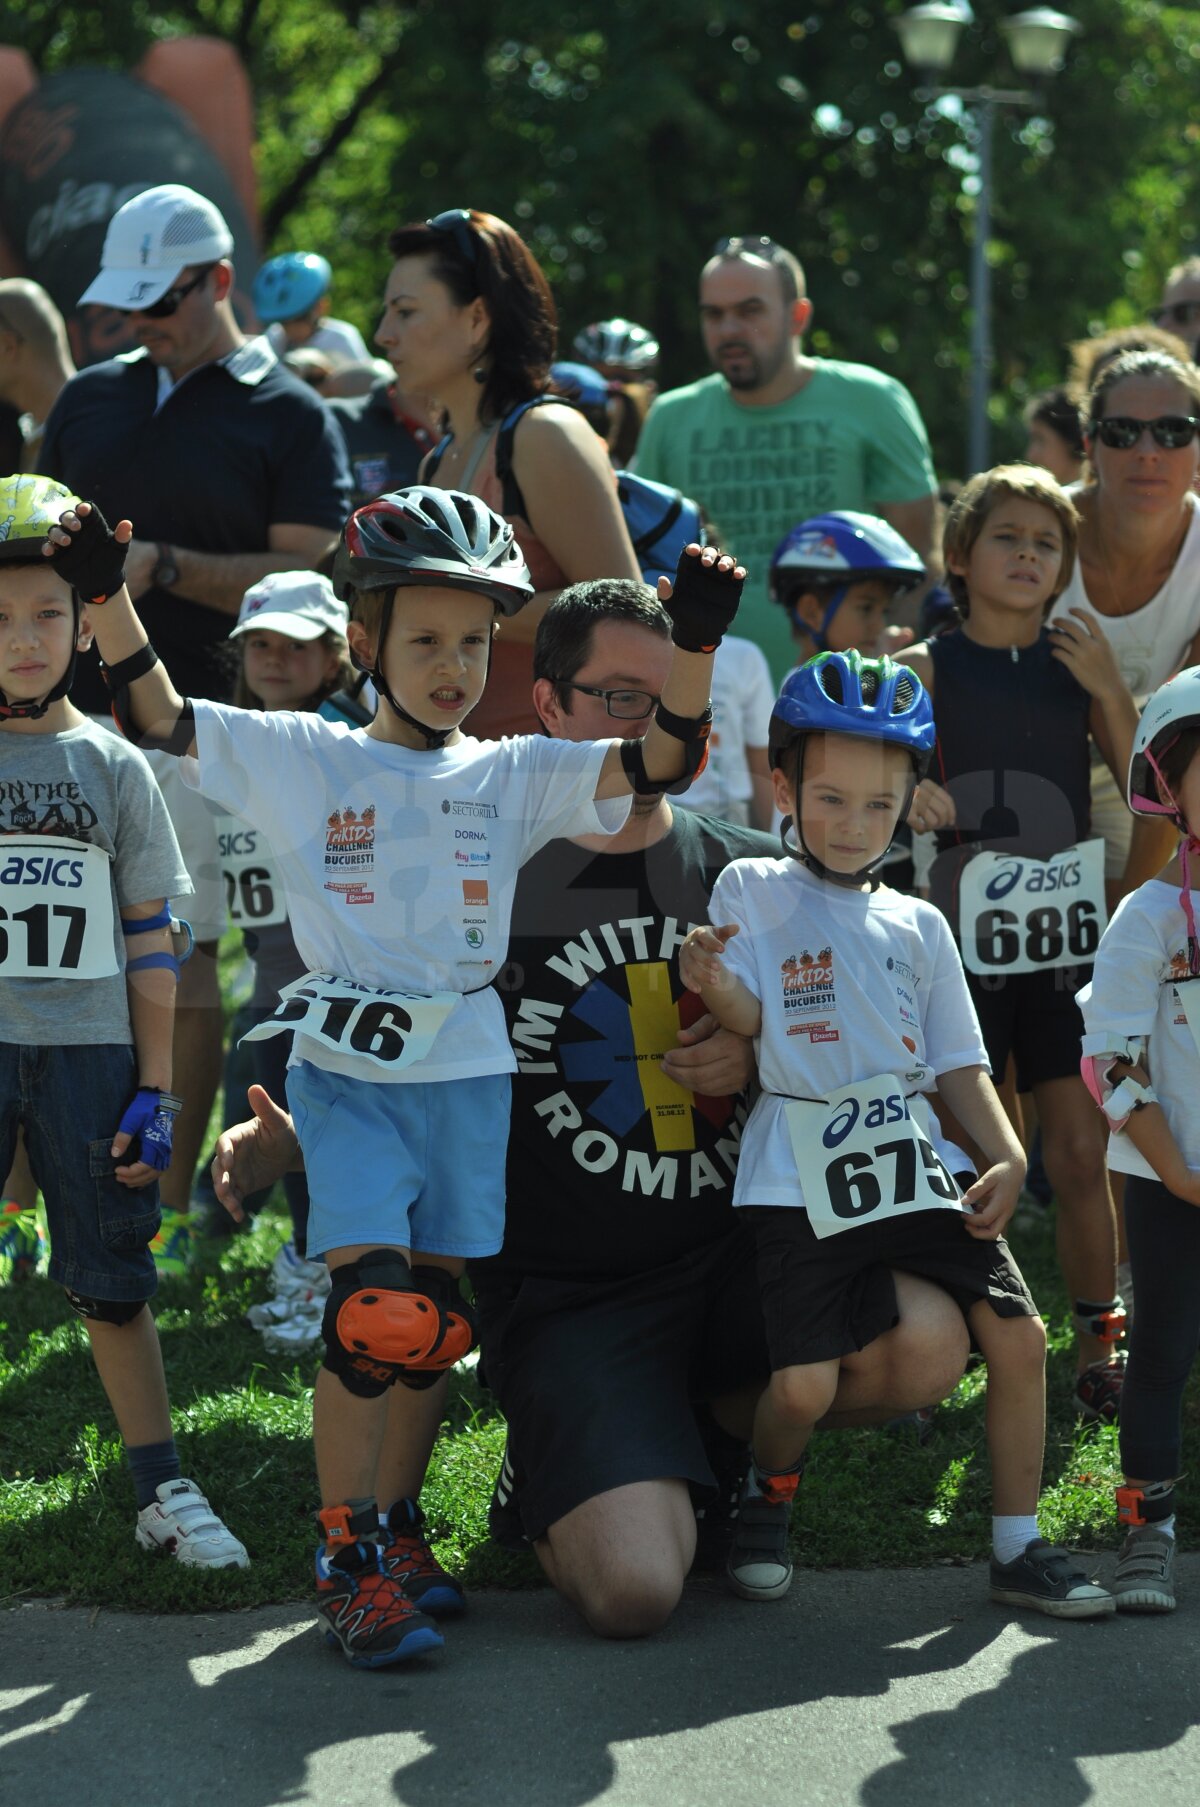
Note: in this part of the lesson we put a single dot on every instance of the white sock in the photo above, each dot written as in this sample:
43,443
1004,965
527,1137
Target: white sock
1010,1536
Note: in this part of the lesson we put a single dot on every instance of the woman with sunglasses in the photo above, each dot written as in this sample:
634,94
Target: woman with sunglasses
468,317
1138,566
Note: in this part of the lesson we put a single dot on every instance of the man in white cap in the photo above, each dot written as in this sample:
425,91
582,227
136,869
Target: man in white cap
229,468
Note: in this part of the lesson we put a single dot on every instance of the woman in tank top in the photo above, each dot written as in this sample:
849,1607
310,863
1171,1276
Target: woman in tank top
468,317
1138,566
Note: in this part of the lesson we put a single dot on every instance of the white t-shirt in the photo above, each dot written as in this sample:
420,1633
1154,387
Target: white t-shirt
743,697
852,984
400,866
1132,993
338,340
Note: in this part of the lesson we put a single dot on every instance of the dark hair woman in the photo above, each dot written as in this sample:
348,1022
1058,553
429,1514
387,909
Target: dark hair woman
469,319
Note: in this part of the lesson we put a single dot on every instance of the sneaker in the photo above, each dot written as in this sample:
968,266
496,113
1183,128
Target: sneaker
1047,1579
293,1334
181,1523
759,1564
1145,1578
1098,1388
174,1247
367,1615
22,1244
505,1524
294,1277
408,1559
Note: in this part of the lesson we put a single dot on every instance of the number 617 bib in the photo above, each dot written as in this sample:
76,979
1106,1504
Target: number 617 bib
1018,915
862,1156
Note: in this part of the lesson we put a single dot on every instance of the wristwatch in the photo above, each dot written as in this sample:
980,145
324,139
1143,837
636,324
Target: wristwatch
166,571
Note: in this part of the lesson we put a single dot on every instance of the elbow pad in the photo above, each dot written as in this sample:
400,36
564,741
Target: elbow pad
1117,1102
692,731
118,678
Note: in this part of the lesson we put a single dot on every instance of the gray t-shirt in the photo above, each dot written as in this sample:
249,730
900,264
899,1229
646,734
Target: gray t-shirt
81,785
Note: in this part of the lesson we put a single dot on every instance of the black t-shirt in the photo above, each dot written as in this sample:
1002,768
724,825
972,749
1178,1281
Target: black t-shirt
226,457
383,453
1013,750
612,1168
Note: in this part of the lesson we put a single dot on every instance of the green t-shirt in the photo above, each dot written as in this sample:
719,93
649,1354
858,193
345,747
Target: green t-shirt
852,438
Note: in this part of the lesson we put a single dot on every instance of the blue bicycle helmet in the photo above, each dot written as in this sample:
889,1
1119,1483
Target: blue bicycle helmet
836,550
288,286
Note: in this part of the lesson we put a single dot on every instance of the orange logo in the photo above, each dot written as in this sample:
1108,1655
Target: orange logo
475,890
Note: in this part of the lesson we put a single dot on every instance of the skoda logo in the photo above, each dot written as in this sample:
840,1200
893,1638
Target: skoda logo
1003,882
840,1124
474,937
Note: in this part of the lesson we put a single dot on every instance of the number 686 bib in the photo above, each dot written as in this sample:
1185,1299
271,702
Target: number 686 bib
1018,915
862,1157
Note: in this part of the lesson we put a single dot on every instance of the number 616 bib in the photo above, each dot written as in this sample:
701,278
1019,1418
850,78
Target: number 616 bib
384,1029
1018,915
862,1156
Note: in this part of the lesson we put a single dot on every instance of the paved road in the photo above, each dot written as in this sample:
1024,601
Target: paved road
904,1689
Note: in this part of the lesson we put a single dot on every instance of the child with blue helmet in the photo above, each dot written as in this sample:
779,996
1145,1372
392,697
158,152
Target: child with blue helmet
857,1003
838,577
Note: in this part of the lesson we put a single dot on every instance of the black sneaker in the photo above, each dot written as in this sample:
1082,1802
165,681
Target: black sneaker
759,1564
406,1557
1048,1579
716,1508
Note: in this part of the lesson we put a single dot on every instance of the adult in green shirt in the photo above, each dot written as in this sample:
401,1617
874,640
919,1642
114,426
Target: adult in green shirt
774,436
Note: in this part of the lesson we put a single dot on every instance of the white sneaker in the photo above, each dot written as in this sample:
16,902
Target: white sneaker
181,1523
282,1311
292,1277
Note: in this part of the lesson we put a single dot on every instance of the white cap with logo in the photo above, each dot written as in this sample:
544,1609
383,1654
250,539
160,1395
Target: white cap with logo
300,604
150,240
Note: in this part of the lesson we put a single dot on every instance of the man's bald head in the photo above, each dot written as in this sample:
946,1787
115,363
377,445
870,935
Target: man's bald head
29,315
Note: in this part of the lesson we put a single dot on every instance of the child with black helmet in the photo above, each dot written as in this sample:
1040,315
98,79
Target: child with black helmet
1141,1063
856,999
87,996
1018,705
399,846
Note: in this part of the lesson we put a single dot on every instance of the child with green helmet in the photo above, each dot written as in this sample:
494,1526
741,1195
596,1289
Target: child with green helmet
857,1003
87,996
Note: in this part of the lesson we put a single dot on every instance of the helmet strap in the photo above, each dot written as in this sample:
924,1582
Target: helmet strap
819,635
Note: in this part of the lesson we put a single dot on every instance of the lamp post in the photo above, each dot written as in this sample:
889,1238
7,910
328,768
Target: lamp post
1037,43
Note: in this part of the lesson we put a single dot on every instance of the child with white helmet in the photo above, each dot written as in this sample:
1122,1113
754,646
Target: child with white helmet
858,1006
1141,1063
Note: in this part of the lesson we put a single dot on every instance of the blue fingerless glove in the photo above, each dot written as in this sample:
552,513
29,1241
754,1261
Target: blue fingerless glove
151,1119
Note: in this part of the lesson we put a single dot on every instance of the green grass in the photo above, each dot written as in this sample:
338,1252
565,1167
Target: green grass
242,1420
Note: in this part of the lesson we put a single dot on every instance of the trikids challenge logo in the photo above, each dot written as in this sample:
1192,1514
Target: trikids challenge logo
809,994
350,849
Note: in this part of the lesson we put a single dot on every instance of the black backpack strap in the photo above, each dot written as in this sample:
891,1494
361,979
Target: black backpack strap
651,537
512,501
434,457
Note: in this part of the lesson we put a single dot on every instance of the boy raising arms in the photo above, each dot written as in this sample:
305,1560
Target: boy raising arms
855,997
399,846
1016,705
88,859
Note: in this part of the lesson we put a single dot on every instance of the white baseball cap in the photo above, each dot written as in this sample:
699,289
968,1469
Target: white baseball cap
300,604
150,240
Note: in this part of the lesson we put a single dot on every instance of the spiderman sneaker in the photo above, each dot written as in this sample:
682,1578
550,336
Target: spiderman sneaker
365,1614
408,1559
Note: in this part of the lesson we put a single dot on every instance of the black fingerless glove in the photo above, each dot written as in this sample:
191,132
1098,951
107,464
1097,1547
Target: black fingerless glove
702,605
94,562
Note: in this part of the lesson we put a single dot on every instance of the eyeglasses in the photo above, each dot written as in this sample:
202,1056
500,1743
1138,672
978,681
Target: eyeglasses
168,304
622,705
1176,313
1122,431
457,222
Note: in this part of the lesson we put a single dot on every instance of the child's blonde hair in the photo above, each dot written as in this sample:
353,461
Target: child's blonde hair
975,502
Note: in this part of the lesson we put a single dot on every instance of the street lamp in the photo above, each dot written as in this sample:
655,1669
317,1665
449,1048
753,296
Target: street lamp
1037,43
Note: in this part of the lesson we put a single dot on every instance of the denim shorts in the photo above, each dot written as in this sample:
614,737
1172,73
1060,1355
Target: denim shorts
69,1102
415,1165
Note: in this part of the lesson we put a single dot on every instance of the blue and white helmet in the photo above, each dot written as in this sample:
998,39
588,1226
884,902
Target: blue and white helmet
288,286
843,548
843,693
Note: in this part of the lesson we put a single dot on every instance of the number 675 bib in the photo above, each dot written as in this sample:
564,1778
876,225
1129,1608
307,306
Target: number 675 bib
1018,915
862,1156
386,1029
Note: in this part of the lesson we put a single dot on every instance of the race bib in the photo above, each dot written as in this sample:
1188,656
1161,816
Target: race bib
862,1156
253,893
386,1029
56,910
1018,915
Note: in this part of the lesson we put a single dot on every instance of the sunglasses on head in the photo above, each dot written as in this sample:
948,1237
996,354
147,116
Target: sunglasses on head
168,304
1122,431
457,223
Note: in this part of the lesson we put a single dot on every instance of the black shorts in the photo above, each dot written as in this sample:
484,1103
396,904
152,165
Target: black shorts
823,1298
1033,1017
598,1380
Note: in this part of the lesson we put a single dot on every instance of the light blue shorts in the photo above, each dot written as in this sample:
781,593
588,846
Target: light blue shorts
417,1165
